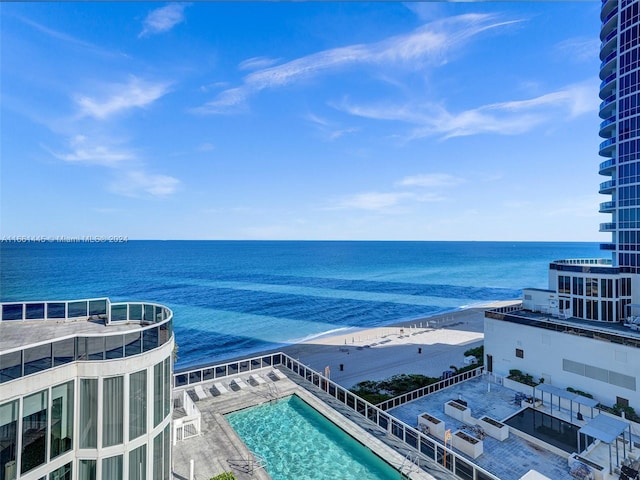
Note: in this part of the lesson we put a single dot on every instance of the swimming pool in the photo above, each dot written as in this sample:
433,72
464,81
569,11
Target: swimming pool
299,443
549,429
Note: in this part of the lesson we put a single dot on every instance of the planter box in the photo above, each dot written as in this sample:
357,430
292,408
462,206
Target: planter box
459,412
434,425
517,386
494,428
467,444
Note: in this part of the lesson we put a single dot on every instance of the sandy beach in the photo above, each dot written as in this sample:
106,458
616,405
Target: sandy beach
426,346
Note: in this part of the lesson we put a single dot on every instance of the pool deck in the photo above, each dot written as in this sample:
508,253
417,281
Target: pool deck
512,458
218,449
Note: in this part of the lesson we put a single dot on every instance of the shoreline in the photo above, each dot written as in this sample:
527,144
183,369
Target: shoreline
425,345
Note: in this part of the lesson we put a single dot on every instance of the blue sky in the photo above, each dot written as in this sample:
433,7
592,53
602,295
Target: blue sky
295,120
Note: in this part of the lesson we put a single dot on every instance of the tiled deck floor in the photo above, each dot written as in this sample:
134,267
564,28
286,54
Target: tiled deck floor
510,459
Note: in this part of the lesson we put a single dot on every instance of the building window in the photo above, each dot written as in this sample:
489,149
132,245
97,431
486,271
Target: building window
138,463
606,287
578,308
112,411
8,439
87,470
61,419
34,431
578,286
519,353
161,388
592,287
88,413
112,468
137,404
62,473
564,284
592,309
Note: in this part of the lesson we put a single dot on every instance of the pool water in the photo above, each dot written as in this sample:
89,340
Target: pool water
299,443
549,429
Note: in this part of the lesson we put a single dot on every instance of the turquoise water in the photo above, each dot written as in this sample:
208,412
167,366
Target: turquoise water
236,298
299,443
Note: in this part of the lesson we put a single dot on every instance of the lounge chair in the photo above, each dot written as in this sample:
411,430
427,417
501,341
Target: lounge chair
256,379
200,393
219,388
278,374
238,382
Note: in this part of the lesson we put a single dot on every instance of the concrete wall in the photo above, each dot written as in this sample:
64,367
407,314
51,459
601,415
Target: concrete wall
544,354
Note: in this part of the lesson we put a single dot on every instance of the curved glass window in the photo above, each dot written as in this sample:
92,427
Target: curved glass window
61,419
112,411
137,404
34,431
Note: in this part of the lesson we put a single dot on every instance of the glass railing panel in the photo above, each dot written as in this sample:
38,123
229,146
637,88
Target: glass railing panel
56,310
37,359
10,366
149,339
77,309
114,347
98,307
207,374
34,311
135,312
132,344
148,313
64,351
95,348
119,313
195,377
12,312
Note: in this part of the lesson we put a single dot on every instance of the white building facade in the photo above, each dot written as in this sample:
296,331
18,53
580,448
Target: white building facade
85,390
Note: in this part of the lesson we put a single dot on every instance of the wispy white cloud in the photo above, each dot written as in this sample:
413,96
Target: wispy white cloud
85,151
163,19
119,97
139,183
257,62
505,118
578,49
69,39
426,45
430,180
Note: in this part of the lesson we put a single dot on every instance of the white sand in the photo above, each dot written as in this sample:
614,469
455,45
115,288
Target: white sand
379,353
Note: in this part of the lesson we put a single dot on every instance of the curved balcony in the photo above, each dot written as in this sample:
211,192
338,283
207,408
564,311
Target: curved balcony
609,22
607,167
607,147
608,246
609,44
607,187
608,107
607,7
608,65
608,127
608,86
607,207
78,331
608,227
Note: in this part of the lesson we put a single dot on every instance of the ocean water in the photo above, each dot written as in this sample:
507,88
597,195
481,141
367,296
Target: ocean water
232,298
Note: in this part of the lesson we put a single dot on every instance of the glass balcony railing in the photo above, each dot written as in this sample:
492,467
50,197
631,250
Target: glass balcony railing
608,144
607,206
607,227
606,187
607,246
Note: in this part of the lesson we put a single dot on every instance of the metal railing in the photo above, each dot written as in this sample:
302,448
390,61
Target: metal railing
411,437
429,389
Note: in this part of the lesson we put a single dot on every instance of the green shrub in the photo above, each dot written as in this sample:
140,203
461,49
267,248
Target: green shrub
579,392
224,476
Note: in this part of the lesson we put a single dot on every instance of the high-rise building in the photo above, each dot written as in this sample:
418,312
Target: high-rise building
608,289
584,330
85,390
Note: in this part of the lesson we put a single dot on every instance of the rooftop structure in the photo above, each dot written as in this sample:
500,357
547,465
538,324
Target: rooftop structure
85,390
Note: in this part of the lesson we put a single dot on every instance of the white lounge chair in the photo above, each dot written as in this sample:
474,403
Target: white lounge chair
200,393
238,382
256,379
220,389
278,374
